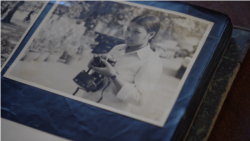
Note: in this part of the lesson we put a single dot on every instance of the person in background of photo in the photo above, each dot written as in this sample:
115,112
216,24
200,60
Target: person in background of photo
28,17
137,70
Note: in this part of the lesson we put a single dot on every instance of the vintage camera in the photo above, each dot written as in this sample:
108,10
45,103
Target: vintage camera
97,61
93,81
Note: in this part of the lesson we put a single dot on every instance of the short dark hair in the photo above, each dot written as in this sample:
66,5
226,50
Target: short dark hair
150,23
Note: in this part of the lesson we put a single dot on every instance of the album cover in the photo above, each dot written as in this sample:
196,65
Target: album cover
127,58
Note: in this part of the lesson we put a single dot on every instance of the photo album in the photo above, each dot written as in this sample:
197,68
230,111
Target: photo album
108,70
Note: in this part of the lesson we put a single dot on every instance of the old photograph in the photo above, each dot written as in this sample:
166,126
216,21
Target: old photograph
17,17
123,57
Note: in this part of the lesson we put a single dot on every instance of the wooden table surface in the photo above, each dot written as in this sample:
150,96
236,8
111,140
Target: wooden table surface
233,122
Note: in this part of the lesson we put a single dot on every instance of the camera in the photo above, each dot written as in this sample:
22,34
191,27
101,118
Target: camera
97,61
93,81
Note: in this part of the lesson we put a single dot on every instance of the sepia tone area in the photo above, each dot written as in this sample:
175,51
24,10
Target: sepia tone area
233,122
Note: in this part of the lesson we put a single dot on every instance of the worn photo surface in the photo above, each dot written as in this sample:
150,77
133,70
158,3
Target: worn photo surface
17,17
89,52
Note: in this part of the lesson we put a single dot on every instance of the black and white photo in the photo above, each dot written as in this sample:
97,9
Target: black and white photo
17,17
123,57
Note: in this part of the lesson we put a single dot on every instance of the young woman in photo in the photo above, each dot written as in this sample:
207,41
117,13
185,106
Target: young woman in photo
137,70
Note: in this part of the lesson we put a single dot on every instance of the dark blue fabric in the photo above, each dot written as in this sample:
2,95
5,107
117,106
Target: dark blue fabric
78,121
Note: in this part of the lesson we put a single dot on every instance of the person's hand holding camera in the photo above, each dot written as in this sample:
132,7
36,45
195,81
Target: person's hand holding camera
90,64
107,71
100,65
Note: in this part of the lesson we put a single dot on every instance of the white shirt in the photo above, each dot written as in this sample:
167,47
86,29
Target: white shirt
141,70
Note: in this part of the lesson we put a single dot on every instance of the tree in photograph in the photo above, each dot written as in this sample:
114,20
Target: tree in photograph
5,10
75,11
1,2
60,11
11,12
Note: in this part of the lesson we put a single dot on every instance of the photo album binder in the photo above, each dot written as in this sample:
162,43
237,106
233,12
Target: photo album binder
220,86
109,70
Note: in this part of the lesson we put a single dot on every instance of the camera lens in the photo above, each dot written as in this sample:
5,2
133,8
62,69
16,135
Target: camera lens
96,61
